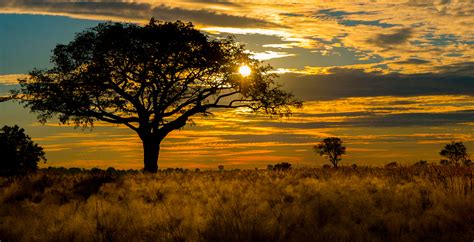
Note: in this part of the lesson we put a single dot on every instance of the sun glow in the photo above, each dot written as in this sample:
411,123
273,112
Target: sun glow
244,70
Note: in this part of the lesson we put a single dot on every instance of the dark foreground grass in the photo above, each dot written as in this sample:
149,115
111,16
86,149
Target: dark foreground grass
429,203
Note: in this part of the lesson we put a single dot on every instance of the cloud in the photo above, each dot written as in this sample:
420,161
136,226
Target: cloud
11,79
398,37
380,31
133,11
412,61
348,82
464,69
351,18
374,120
268,55
216,2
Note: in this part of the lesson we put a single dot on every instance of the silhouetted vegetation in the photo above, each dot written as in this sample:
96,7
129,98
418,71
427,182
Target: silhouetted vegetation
393,164
151,78
18,153
282,166
430,203
421,163
455,153
331,148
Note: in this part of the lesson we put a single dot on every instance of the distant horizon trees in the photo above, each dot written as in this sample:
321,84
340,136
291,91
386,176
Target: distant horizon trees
331,148
18,153
152,79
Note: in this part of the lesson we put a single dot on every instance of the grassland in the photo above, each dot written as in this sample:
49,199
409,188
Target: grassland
429,203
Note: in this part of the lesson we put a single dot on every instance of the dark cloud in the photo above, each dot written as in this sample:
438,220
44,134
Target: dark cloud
341,82
332,13
412,61
256,138
384,120
465,69
132,10
398,37
341,18
218,2
377,23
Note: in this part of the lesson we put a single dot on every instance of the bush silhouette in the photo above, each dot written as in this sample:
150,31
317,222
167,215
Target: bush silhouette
19,154
393,164
282,166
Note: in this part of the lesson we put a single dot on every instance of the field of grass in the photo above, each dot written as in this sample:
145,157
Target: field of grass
429,203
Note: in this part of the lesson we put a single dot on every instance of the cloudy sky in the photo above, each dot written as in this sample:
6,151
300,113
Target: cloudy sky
393,79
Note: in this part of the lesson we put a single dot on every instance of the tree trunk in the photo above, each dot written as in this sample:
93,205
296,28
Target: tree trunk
151,151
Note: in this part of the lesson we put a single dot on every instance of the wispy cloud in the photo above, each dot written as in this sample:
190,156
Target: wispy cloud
392,34
11,79
268,55
131,11
337,82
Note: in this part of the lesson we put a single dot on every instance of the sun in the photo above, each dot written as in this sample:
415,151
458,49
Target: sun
244,70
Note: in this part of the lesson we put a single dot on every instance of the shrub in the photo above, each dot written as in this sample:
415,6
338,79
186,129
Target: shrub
391,165
421,163
19,153
282,166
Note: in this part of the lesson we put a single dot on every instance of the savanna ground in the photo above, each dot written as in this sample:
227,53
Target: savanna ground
428,203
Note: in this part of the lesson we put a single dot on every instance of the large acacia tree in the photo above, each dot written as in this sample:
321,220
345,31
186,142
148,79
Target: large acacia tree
151,78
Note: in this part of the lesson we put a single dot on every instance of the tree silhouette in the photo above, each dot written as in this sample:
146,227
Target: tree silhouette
151,78
332,149
455,152
19,154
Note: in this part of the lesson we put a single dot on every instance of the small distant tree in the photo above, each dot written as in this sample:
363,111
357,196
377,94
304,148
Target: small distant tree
331,148
221,167
455,153
269,167
18,153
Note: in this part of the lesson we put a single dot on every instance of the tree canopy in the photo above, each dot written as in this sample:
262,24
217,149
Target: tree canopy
455,152
151,78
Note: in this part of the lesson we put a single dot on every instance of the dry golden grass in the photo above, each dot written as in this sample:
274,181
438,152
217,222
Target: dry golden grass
429,203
